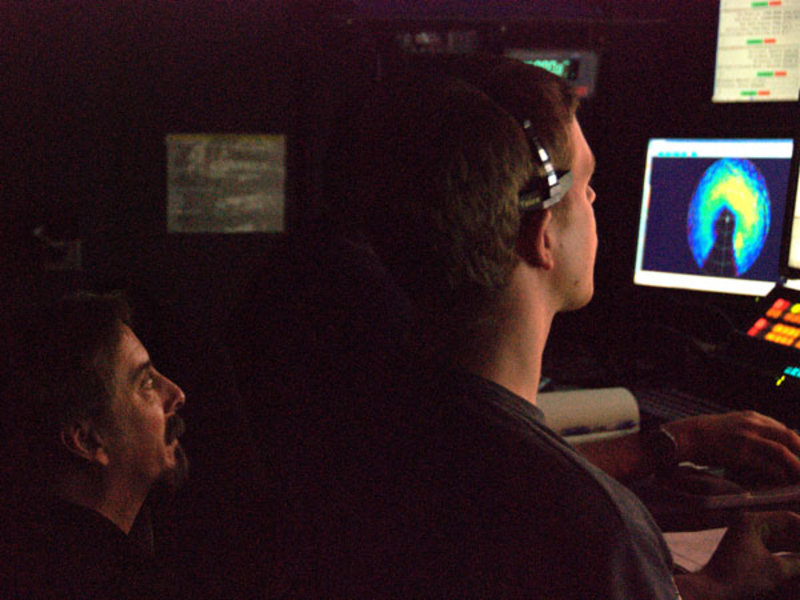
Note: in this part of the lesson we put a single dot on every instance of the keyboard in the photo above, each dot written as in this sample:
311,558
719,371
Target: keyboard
667,404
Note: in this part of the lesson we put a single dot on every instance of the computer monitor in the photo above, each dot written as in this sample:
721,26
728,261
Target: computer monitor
712,214
758,43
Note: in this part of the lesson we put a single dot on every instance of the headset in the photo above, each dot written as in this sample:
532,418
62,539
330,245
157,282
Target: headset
538,193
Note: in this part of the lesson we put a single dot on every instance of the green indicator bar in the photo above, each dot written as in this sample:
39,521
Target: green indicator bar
748,93
758,4
751,42
765,74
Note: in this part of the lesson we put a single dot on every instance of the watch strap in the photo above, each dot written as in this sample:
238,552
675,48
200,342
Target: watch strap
662,448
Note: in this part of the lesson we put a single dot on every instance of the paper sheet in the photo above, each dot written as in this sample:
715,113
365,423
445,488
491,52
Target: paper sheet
692,550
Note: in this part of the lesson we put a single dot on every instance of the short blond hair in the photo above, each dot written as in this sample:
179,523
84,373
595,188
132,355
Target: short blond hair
434,167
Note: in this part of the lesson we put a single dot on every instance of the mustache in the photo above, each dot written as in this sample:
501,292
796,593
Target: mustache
175,428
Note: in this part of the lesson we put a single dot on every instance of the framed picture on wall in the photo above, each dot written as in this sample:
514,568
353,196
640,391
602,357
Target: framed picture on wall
225,183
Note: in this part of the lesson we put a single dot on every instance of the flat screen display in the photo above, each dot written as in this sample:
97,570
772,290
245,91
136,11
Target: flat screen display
712,214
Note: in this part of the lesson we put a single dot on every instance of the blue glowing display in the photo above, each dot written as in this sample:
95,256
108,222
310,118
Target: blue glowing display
729,217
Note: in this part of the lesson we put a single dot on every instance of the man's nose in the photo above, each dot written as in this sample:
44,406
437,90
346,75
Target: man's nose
175,396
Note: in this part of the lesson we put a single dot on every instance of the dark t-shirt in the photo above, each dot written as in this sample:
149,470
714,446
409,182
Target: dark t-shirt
55,549
469,494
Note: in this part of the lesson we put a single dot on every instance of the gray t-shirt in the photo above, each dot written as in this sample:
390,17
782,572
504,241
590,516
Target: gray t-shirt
478,498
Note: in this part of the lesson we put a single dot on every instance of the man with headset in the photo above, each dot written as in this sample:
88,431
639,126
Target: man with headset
481,209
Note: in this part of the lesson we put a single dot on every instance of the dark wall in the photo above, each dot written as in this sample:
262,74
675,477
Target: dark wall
91,89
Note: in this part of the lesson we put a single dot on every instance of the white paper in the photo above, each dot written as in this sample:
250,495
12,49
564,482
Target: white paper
693,549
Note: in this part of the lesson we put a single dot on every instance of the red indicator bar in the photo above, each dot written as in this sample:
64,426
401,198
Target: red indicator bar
780,73
780,304
758,327
769,40
775,2
776,310
763,93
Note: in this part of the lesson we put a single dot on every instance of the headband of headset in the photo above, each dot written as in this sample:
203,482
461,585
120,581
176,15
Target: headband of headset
542,193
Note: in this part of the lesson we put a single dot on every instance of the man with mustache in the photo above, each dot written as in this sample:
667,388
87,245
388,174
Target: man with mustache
95,430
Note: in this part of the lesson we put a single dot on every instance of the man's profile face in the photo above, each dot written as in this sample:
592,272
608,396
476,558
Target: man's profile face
142,438
577,231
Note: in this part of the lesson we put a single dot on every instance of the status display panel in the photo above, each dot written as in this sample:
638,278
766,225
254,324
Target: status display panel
758,48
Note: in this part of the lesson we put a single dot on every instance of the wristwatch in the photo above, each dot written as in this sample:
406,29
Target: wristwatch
662,448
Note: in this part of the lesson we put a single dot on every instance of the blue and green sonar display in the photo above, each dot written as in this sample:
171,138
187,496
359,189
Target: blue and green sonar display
729,217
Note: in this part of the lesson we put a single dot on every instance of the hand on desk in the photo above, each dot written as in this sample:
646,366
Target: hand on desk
753,448
746,563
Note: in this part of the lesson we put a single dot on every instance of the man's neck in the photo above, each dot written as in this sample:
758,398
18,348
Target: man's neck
510,352
118,505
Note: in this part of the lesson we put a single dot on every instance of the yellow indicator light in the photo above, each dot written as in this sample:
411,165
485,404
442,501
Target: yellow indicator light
779,339
788,330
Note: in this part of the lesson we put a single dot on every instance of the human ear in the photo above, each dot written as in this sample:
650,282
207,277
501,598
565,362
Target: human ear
82,438
534,243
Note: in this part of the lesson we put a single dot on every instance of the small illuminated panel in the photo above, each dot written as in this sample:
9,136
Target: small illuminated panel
780,324
791,371
579,67
432,41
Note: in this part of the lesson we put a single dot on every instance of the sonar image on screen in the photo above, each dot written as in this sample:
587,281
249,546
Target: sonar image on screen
729,218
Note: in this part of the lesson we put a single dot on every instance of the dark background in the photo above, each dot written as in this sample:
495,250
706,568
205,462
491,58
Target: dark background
91,89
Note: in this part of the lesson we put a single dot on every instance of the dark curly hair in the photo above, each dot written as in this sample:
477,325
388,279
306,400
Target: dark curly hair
61,365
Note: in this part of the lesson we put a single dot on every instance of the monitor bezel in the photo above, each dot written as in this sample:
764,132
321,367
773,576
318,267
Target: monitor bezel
786,270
